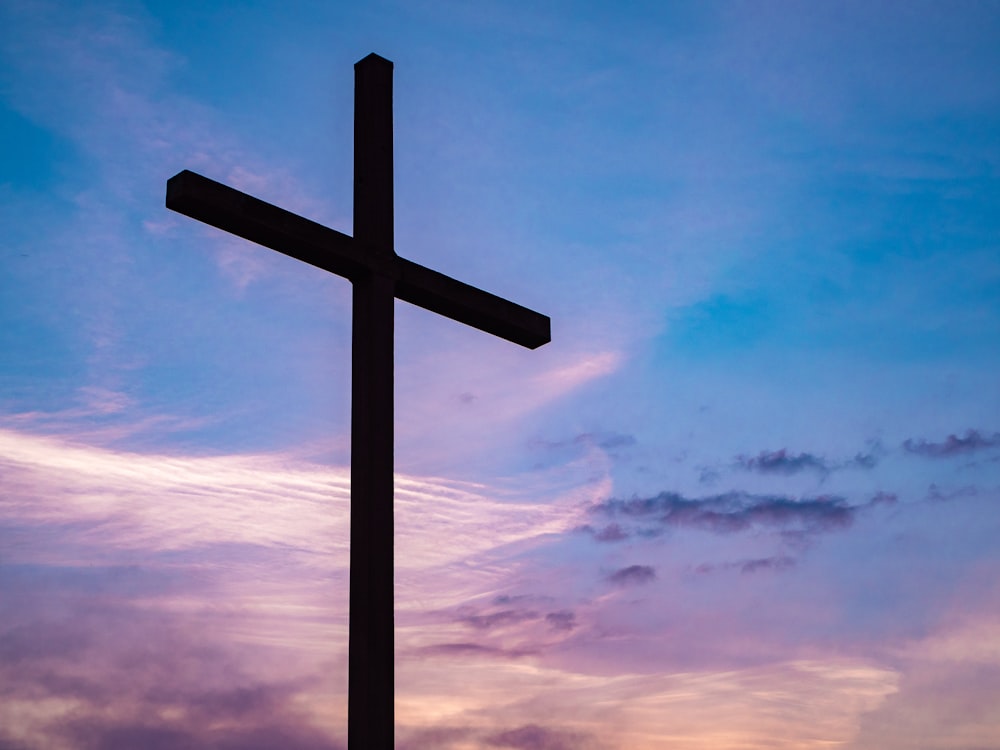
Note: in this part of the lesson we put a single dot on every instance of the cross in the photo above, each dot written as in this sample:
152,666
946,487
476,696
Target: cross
369,261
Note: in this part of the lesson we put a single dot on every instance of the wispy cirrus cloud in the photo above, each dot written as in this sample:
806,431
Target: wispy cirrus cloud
205,596
237,589
622,708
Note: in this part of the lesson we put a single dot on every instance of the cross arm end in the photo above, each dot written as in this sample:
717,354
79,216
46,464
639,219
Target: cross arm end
232,211
459,301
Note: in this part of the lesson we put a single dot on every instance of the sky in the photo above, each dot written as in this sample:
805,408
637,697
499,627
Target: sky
748,496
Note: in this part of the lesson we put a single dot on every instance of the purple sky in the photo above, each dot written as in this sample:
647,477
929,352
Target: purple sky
748,497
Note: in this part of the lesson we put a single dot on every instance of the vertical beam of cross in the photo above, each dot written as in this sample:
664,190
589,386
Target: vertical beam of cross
370,693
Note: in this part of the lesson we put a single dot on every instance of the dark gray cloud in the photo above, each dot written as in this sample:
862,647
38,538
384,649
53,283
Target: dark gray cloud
525,737
708,475
432,738
755,565
36,641
503,600
499,619
972,441
786,463
535,737
8,743
474,649
612,440
559,620
103,735
862,461
766,563
632,575
883,498
609,441
610,533
136,677
937,494
731,512
783,462
564,619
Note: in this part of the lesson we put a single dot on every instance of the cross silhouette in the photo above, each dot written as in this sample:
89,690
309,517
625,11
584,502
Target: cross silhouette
378,275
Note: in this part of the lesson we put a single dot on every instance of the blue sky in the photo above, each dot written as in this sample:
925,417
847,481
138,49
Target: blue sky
747,497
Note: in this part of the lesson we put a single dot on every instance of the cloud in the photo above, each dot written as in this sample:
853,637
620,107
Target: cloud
535,737
731,512
152,735
610,533
766,563
862,461
498,619
953,445
935,493
883,498
159,503
949,681
527,703
525,737
433,738
608,441
778,562
781,462
564,619
474,649
633,574
504,599
145,593
116,675
787,464
101,400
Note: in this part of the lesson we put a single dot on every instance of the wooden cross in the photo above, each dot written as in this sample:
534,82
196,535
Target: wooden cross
369,261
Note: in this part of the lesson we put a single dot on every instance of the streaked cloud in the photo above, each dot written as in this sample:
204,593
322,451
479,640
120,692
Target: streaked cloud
265,534
816,702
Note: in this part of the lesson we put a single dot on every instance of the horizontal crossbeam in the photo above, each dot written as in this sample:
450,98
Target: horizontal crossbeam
265,224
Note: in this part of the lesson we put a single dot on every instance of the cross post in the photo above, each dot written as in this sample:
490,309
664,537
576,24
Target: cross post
369,261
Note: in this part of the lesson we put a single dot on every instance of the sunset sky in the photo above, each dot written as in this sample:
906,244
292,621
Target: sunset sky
747,498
